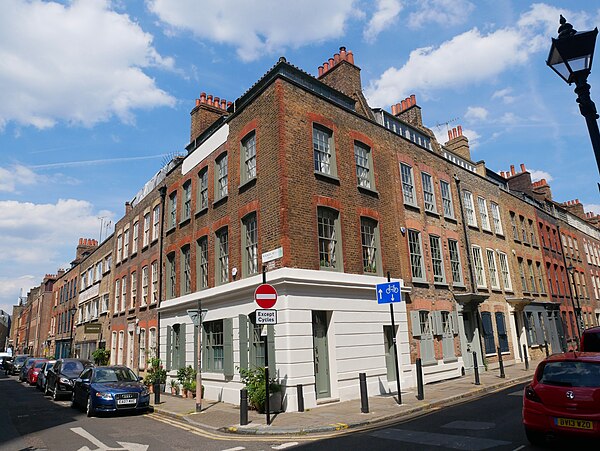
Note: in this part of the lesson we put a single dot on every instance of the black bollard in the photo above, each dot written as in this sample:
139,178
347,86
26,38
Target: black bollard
476,368
300,392
156,388
546,349
243,407
364,397
525,357
420,393
501,363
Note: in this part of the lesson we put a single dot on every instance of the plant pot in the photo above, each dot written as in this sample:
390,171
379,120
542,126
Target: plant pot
184,392
151,388
190,394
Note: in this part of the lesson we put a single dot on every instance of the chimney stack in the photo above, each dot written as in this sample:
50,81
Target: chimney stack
458,143
208,109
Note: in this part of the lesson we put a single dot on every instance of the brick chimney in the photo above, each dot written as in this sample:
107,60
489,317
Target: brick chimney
409,111
207,110
541,190
575,207
342,74
85,247
519,181
458,143
593,219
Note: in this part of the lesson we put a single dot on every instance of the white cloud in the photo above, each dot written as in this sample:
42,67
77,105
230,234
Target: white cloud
472,136
476,113
509,118
537,174
504,95
385,16
80,63
257,28
11,289
432,68
440,12
16,175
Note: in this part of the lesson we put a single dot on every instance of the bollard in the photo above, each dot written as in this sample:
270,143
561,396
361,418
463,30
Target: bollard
300,392
156,388
525,357
546,349
420,393
501,363
364,397
476,368
243,407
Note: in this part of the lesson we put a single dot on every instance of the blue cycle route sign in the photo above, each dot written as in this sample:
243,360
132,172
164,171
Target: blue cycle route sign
388,292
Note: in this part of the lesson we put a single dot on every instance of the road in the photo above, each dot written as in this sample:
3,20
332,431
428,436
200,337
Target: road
34,422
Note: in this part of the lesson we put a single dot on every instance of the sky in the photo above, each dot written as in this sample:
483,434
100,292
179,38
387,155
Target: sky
95,95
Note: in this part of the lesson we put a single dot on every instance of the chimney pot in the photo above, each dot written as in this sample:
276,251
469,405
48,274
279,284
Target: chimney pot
459,130
80,241
404,106
449,135
413,99
336,58
223,104
197,102
209,99
325,67
512,169
202,97
394,109
320,70
350,58
454,133
216,102
523,168
576,201
331,62
343,53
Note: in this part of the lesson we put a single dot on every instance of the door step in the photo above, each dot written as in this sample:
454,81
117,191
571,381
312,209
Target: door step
327,401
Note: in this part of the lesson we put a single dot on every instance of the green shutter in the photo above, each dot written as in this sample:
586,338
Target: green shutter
438,328
243,336
228,347
196,348
271,350
416,323
168,348
455,327
182,361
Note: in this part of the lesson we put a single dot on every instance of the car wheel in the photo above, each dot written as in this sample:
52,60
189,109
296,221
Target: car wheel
89,409
535,437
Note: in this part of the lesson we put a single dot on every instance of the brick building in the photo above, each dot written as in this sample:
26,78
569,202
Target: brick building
93,313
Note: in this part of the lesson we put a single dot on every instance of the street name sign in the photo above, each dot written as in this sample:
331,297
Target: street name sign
388,292
193,314
266,316
265,296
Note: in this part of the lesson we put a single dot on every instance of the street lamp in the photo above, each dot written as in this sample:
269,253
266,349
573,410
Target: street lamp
72,311
571,270
571,58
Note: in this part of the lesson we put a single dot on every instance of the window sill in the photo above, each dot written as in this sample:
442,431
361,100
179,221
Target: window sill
369,191
420,282
412,206
440,284
185,221
170,229
201,211
459,285
450,218
496,290
104,313
327,177
220,200
473,226
246,184
433,213
500,234
144,247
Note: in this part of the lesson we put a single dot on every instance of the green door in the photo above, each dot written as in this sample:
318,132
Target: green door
321,354
390,364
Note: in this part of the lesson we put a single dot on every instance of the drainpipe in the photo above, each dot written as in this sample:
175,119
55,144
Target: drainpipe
470,264
163,193
571,283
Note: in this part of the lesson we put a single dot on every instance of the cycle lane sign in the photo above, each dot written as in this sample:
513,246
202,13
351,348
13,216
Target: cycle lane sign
388,292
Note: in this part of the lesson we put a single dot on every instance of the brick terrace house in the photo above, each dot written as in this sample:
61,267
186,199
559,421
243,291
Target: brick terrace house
93,301
300,175
136,275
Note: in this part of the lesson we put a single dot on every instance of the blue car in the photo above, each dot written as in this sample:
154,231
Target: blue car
109,389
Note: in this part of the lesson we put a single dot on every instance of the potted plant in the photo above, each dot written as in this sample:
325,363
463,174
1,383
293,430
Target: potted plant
101,356
156,374
174,387
186,376
254,379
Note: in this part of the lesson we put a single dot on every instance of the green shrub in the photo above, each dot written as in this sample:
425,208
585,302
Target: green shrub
101,356
186,375
156,373
254,380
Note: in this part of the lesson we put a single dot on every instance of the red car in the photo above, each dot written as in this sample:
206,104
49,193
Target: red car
590,340
564,397
34,370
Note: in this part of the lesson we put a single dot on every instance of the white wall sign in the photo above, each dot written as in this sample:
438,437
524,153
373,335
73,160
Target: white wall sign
272,255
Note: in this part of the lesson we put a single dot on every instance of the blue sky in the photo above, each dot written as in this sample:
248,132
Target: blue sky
95,95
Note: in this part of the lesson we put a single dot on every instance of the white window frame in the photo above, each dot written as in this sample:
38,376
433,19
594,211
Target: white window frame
154,271
142,354
323,151
415,249
126,243
428,193
364,165
146,238
447,204
483,213
248,157
186,201
144,301
478,267
155,223
455,264
469,209
493,268
437,259
496,218
136,232
133,289
221,177
408,185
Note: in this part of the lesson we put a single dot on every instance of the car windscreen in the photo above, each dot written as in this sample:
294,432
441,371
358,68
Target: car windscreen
571,374
20,360
104,375
72,369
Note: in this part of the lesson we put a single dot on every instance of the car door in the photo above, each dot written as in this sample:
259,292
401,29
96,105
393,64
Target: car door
82,385
53,376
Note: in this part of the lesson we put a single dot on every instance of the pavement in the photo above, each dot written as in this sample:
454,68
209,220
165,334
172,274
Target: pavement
223,417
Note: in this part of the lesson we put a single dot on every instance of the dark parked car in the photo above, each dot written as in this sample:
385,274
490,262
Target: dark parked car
34,371
25,368
564,397
590,340
62,375
110,389
7,365
41,381
17,363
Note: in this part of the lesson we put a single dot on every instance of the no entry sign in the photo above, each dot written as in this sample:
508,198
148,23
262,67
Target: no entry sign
265,296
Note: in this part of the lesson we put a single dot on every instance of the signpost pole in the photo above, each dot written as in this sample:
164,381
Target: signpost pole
199,371
267,406
396,364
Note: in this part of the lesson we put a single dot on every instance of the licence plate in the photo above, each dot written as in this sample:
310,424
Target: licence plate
574,424
126,401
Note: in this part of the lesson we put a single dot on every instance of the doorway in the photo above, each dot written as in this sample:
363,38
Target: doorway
321,354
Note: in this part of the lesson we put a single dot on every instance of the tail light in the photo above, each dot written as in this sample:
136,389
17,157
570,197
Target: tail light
531,394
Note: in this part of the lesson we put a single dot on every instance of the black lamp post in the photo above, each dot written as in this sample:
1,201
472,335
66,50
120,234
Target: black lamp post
571,270
72,311
571,58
